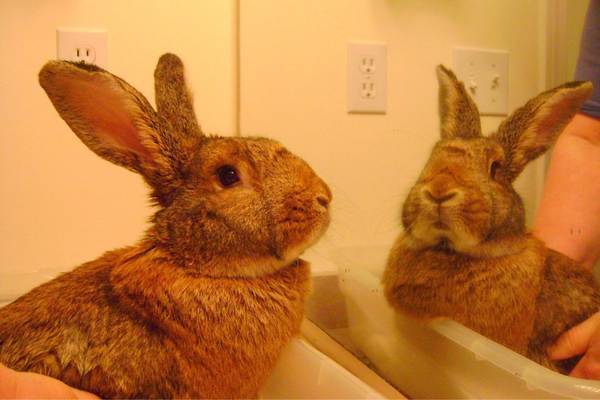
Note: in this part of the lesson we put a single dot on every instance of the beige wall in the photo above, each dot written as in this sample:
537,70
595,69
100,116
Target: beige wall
574,16
60,204
293,71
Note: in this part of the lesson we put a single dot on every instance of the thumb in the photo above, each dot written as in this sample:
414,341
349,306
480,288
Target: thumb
8,383
575,341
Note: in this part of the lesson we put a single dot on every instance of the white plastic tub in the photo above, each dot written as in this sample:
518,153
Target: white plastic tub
302,371
443,359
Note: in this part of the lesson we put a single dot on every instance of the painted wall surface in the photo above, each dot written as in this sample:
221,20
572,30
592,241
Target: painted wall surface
574,19
293,88
60,204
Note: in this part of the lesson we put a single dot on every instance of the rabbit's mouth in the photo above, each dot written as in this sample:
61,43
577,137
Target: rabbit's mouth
437,242
440,225
437,223
444,245
431,233
294,252
439,232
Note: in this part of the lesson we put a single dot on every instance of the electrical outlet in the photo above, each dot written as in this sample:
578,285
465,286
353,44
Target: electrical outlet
87,45
367,91
367,77
367,64
485,75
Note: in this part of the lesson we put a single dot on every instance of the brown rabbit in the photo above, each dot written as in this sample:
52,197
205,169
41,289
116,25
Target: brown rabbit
465,253
205,302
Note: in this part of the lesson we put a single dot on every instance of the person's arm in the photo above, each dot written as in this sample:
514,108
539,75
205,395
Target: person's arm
569,222
26,385
568,219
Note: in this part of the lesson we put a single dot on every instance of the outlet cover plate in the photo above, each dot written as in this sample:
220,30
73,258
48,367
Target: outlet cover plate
367,77
88,45
485,75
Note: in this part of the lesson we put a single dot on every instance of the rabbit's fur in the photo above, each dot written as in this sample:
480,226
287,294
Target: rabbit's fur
465,253
205,302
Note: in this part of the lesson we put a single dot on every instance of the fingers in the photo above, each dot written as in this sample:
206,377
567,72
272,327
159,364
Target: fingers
81,395
582,338
576,340
588,367
7,383
27,385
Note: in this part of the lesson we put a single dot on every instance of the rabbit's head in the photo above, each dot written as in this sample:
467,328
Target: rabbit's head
464,196
227,206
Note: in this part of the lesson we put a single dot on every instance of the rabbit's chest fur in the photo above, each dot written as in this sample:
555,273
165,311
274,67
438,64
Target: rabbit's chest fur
495,297
523,300
147,328
568,296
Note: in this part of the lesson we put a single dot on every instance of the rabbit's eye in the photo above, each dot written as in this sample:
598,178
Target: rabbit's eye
228,176
494,166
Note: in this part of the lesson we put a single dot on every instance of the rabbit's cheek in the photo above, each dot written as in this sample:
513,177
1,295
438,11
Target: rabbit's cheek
411,210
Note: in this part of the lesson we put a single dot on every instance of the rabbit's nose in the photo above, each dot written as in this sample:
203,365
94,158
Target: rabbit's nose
323,201
323,196
439,198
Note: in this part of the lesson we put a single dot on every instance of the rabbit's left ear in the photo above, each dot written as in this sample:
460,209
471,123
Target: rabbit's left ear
459,117
532,129
117,123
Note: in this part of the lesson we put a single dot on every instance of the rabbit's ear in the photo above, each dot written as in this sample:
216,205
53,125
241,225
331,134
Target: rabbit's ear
173,100
532,129
459,117
115,121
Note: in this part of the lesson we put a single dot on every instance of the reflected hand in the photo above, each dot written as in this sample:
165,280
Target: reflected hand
582,338
27,385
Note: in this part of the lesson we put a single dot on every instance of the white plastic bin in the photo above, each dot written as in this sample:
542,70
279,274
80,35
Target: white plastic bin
443,359
303,372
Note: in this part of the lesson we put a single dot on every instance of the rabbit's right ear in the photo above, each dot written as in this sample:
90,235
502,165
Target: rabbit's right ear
173,99
532,129
459,117
116,122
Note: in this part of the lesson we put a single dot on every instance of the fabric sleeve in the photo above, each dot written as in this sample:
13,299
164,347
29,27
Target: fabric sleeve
588,63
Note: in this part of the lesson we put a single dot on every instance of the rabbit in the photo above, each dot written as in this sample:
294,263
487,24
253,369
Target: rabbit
205,302
465,253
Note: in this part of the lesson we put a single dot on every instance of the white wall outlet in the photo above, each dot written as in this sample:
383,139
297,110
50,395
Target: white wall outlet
87,45
367,77
485,75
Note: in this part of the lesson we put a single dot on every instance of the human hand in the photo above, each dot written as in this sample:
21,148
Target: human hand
27,385
582,338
